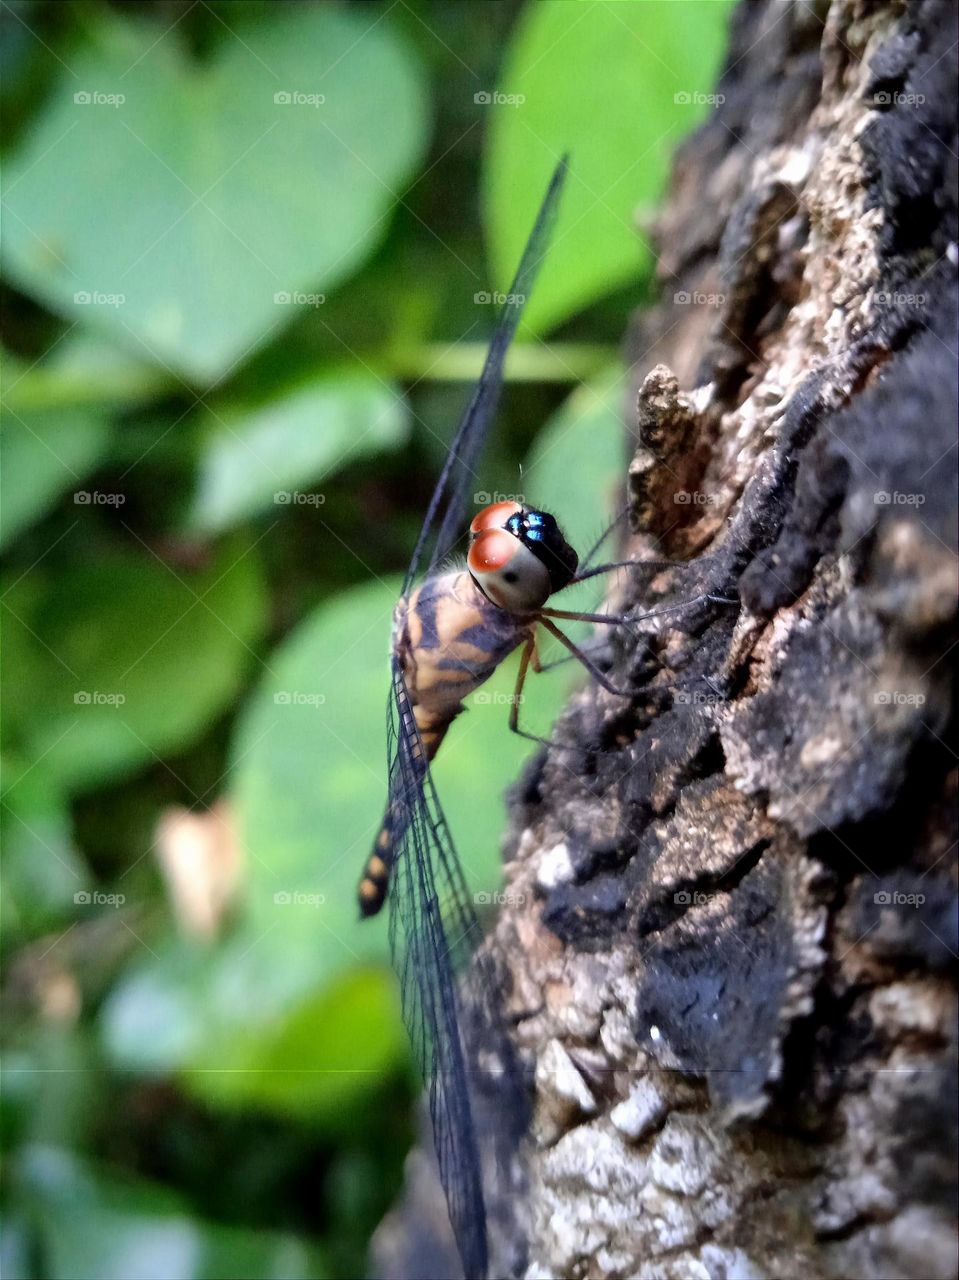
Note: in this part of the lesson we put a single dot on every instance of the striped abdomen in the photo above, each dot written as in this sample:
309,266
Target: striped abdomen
449,639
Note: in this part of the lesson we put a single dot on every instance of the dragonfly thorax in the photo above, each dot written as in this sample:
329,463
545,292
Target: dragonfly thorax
518,557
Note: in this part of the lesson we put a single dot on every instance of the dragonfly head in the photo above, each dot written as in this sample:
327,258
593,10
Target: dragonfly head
518,557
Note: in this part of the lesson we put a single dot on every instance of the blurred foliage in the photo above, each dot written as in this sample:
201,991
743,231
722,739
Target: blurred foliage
246,292
654,62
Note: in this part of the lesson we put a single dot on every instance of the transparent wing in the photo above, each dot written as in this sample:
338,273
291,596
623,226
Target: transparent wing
455,1026
444,519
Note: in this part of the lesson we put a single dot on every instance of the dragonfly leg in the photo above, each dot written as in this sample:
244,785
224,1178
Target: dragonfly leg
586,574
529,652
589,650
611,619
572,615
528,658
578,653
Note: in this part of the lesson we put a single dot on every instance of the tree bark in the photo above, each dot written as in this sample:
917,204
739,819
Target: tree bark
733,969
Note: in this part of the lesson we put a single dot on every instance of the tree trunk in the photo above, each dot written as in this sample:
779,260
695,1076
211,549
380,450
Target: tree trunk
733,972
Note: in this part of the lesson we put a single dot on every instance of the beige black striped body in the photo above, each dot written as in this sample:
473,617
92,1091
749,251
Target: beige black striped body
449,639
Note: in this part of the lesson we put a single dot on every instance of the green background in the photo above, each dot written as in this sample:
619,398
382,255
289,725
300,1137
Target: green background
245,248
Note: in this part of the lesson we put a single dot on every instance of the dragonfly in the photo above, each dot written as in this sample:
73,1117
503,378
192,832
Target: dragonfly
452,627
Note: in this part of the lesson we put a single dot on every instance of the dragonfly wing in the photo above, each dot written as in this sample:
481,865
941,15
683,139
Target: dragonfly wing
434,933
459,476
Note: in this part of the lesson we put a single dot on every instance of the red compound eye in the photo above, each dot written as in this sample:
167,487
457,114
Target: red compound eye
494,517
492,548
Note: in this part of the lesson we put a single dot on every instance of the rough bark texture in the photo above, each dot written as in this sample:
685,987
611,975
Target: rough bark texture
735,986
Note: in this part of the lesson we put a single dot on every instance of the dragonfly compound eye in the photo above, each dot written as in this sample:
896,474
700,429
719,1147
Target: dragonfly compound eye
507,571
539,531
495,516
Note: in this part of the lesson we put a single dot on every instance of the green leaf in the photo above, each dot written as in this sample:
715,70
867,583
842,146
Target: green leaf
41,869
257,460
276,1020
162,1008
617,86
321,1059
205,198
130,659
45,454
83,369
87,1224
